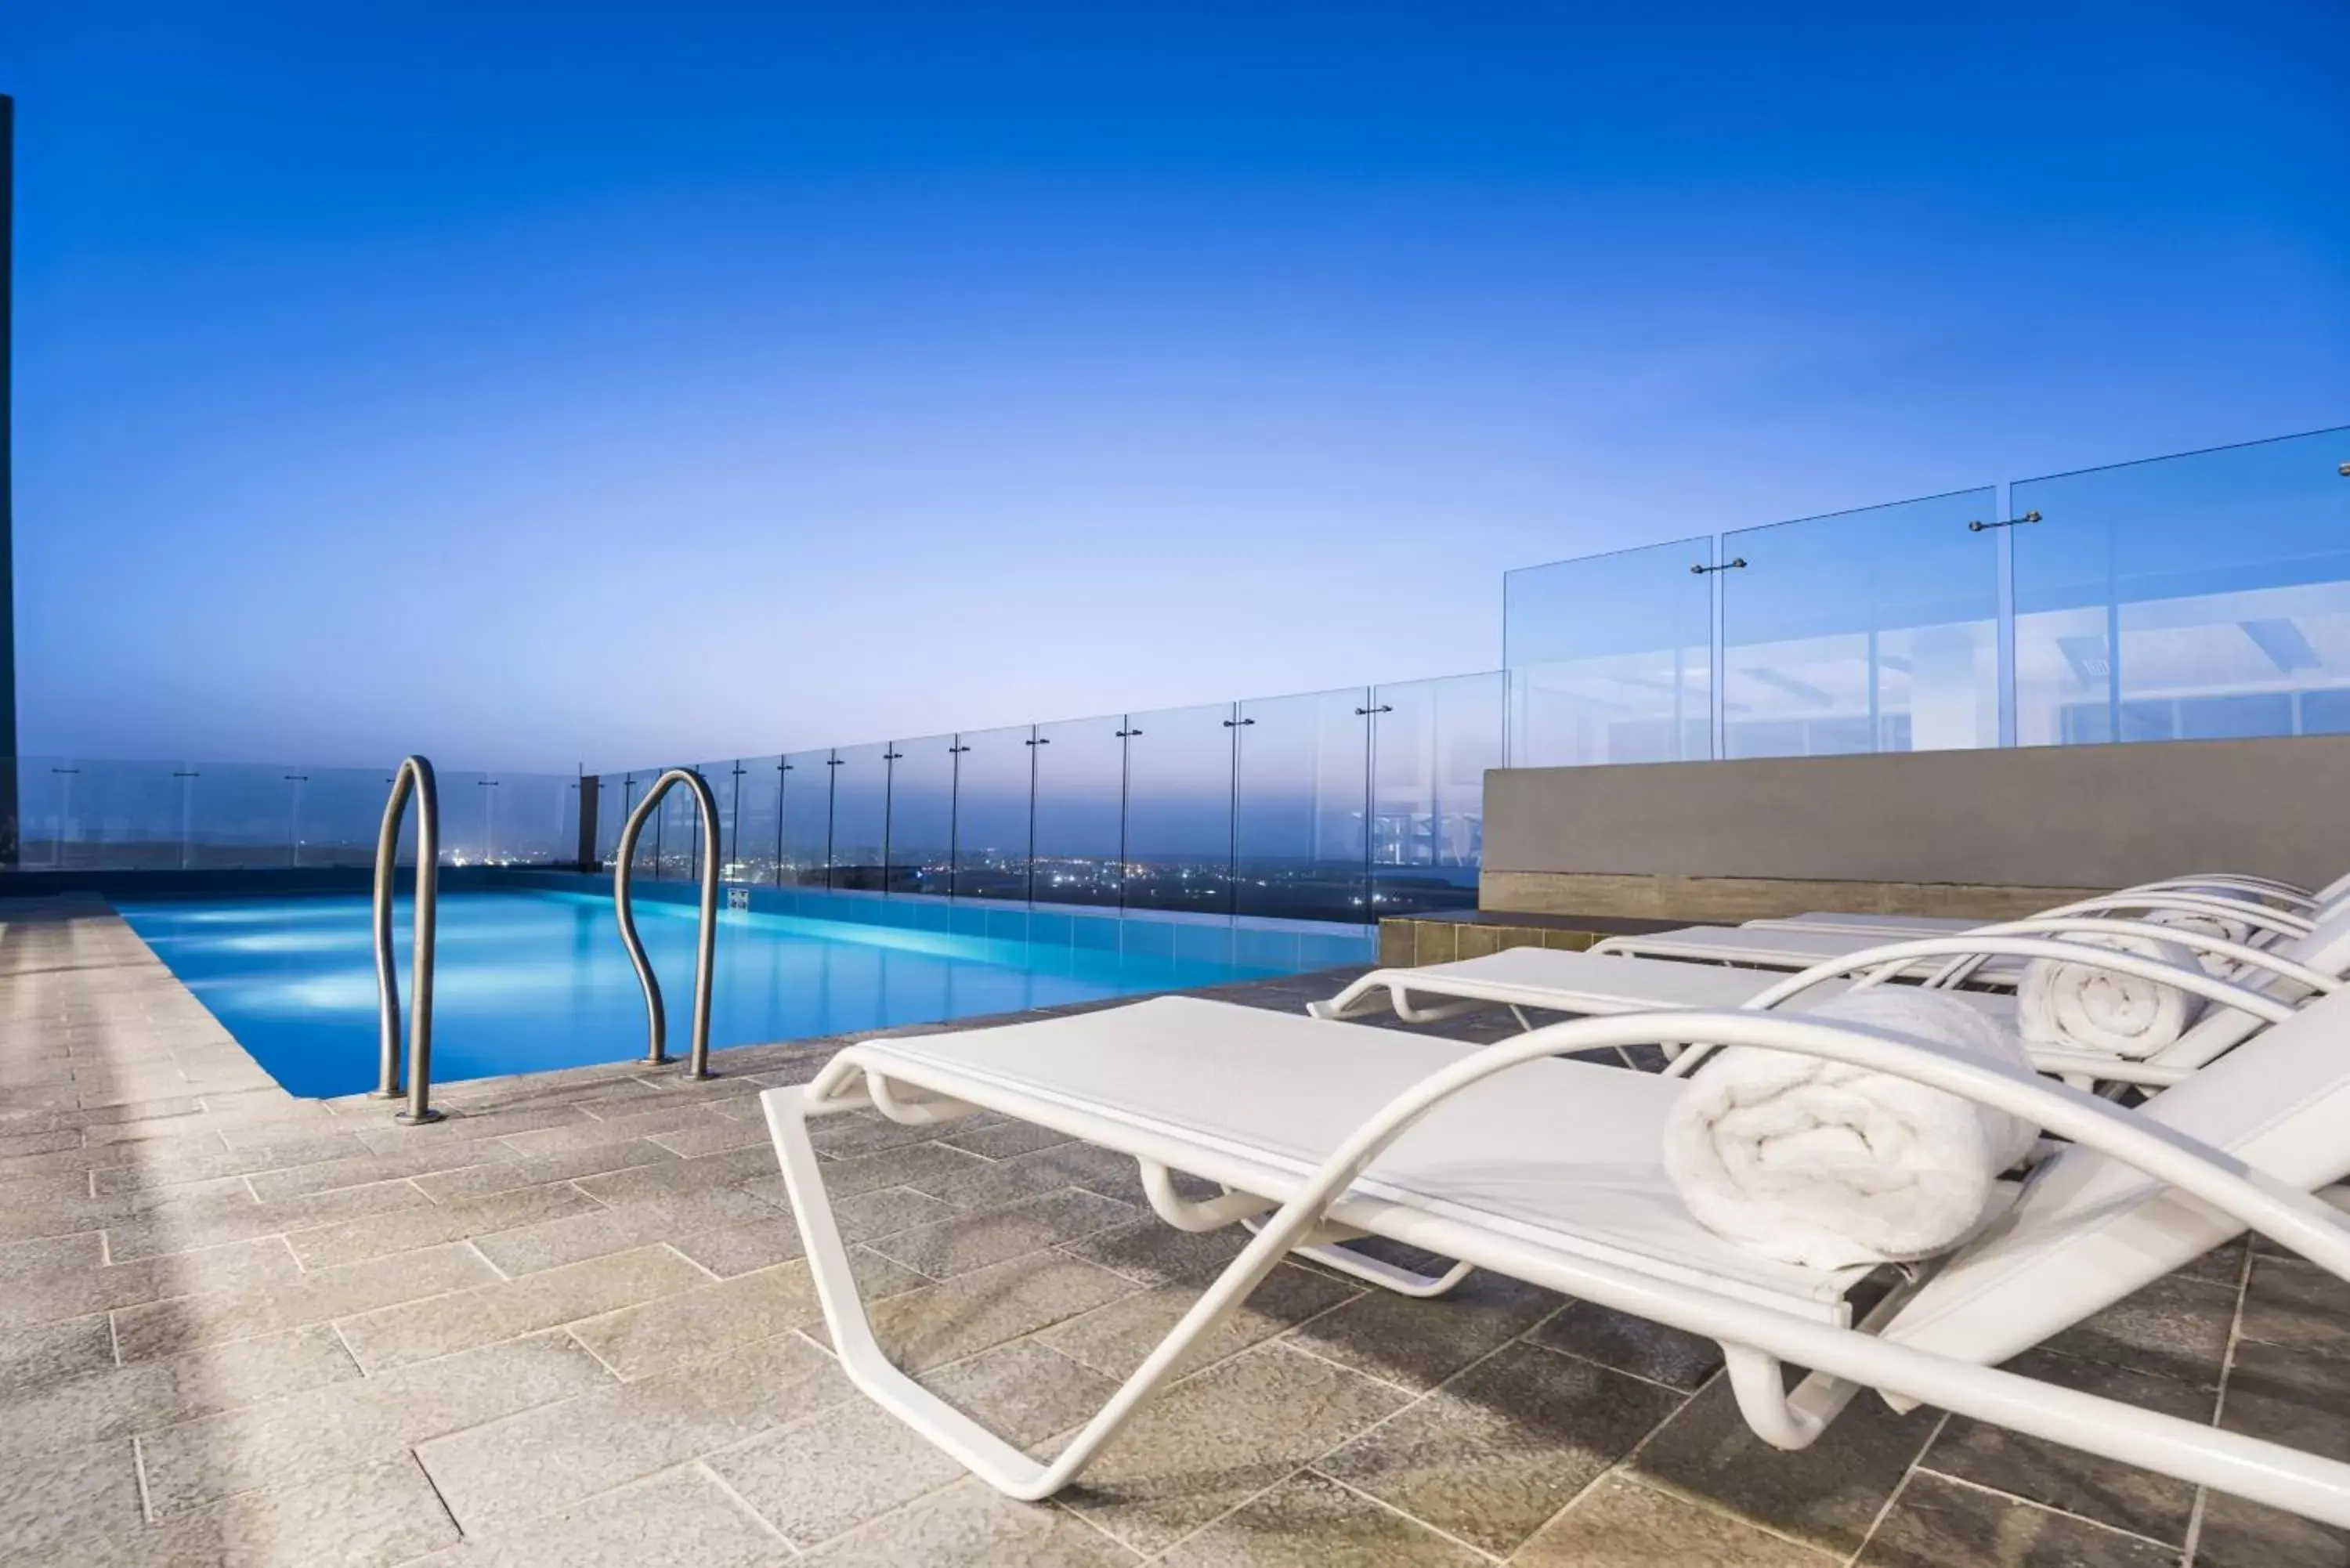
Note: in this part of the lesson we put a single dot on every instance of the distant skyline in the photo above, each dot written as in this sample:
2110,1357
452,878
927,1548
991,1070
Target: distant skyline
694,380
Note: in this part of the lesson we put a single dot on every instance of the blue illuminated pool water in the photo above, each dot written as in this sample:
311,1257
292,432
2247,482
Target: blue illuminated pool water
524,981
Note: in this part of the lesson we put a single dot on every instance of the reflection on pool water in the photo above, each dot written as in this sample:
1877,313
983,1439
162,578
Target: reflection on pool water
524,981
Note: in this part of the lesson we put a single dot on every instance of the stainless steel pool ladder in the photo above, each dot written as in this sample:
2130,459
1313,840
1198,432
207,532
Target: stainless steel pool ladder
413,775
706,957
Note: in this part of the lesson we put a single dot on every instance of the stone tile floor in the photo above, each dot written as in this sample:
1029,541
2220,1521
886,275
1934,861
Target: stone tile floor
570,1325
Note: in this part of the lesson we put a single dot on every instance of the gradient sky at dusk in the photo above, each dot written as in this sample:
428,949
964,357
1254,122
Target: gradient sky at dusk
529,384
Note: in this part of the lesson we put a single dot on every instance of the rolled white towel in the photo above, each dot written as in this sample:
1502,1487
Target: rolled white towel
1827,1164
2081,1008
2225,927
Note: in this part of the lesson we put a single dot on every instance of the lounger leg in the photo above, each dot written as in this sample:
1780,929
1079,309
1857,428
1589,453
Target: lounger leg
1386,1276
987,1456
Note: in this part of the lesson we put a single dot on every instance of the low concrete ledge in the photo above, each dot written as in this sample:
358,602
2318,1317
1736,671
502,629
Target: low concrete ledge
1719,901
1441,936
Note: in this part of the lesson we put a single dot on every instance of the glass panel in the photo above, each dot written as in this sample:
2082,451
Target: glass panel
534,819
1610,657
1178,809
1298,810
82,813
464,816
807,817
1080,790
921,814
993,774
340,814
613,793
1865,631
758,820
1431,742
2186,598
860,815
241,814
646,863
678,835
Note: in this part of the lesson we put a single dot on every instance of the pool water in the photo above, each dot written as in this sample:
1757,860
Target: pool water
524,981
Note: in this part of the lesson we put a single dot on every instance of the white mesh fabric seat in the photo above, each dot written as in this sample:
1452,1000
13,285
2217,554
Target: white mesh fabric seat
1586,983
1567,1151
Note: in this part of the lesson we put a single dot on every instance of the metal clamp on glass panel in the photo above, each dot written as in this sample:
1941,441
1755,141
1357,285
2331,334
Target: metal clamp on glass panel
413,775
706,955
1978,525
1698,569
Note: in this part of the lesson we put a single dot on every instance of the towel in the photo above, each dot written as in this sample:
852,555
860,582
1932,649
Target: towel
2226,928
1827,1164
2084,1009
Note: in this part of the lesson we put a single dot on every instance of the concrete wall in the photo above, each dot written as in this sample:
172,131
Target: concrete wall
1968,832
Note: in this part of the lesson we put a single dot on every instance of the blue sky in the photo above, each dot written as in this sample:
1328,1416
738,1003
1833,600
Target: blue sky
532,385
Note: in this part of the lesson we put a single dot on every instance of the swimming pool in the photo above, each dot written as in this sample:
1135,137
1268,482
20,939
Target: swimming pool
528,981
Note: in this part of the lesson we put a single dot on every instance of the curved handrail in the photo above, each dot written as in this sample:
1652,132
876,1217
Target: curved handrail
414,775
706,958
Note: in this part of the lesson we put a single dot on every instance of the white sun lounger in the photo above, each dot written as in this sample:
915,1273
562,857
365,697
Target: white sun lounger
2299,905
1800,940
1600,985
1550,1171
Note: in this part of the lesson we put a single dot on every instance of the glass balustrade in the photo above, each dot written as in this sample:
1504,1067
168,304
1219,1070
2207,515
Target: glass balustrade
1865,631
1611,657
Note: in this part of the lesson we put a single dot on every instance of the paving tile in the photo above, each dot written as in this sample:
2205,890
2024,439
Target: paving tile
381,1135
818,1477
587,1131
671,1177
1420,1344
1632,1344
43,1355
120,1402
1022,1175
639,1340
1618,1524
967,1525
346,1425
1152,1252
1498,1451
1114,1339
1311,1522
150,1280
532,1171
365,1169
1935,1522
2240,1535
161,1233
714,1133
683,1517
663,1216
2298,1397
178,1170
847,1134
1022,1392
974,1240
2101,1490
2298,1306
775,1236
70,1496
1213,1440
1005,1139
1826,1495
2174,1328
541,1461
431,1224
444,1325
931,1168
167,1327
76,1250
963,1316
372,1517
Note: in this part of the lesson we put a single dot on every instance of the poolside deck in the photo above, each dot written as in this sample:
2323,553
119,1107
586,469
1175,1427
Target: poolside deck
569,1326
